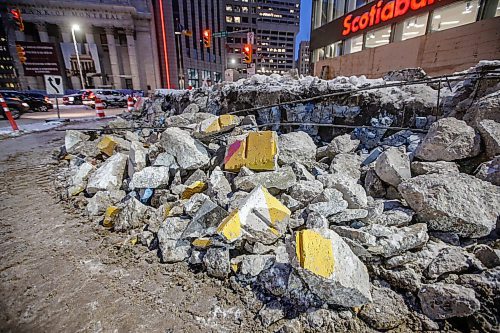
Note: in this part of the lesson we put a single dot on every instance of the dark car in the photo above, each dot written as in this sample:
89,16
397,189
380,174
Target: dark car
76,98
37,101
16,107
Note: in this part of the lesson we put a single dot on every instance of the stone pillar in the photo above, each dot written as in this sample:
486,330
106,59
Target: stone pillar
132,55
113,58
68,38
89,36
42,32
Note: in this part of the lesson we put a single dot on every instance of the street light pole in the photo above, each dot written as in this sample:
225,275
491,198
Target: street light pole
73,28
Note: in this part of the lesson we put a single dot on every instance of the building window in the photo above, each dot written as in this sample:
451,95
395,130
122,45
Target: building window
128,84
229,8
193,78
454,15
237,19
229,19
353,45
378,37
413,27
333,50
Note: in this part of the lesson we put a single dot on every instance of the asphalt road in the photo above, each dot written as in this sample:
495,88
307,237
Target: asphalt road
66,111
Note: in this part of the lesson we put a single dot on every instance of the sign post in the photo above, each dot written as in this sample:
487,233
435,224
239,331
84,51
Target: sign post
54,86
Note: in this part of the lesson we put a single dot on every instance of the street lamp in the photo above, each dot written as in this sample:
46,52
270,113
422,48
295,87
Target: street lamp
76,27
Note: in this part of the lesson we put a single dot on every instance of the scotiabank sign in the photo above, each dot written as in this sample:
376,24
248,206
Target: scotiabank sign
370,17
381,12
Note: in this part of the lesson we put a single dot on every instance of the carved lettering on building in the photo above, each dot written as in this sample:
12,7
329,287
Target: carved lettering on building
71,13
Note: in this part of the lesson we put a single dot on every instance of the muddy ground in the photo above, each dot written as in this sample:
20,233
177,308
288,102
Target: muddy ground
61,273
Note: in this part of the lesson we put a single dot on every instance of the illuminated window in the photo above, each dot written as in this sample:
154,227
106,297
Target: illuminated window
237,19
229,19
229,8
412,27
378,37
457,14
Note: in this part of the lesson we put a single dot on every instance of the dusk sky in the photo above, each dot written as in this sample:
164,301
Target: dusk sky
305,23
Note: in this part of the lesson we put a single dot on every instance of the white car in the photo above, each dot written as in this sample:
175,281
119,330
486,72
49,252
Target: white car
108,98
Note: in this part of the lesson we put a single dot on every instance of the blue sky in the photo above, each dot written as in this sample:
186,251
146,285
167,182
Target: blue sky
305,23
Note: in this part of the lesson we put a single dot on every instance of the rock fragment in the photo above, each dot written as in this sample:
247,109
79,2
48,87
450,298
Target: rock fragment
280,179
189,152
150,177
422,168
443,301
393,166
296,147
449,139
490,133
133,215
217,263
172,247
74,141
449,260
109,176
256,151
387,311
342,144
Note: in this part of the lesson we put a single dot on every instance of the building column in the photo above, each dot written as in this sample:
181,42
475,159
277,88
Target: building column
29,82
68,38
89,37
42,32
132,55
113,57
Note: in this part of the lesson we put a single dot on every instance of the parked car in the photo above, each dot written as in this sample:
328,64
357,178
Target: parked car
108,97
35,101
16,107
75,99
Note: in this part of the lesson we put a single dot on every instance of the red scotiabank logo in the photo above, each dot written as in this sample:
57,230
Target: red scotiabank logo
379,13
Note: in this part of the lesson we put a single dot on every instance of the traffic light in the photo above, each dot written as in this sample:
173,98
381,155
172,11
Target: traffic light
207,38
21,53
16,16
247,53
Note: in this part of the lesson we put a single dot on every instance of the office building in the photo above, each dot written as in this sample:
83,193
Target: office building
303,61
374,37
114,41
8,77
184,61
274,23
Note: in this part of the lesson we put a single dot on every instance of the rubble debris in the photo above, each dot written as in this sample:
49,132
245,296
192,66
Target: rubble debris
449,139
443,201
399,226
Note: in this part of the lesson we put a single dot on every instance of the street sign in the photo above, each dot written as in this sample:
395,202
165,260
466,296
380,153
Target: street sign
219,34
251,69
38,59
54,85
250,38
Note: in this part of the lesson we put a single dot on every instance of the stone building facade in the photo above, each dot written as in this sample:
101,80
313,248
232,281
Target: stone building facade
116,41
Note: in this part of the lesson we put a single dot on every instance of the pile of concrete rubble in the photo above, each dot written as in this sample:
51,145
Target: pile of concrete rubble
362,230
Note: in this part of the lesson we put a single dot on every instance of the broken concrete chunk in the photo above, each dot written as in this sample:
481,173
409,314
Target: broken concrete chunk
222,123
490,132
387,311
392,241
342,144
109,176
373,185
74,141
98,204
449,260
133,215
305,191
395,217
271,313
219,187
172,247
280,179
110,216
352,192
454,202
330,269
301,172
348,215
296,147
150,177
252,265
166,160
217,263
393,166
79,179
189,153
107,145
421,168
205,221
449,139
346,165
490,171
489,257
290,202
329,202
260,218
356,235
136,158
197,176
316,220
443,301
257,151
196,187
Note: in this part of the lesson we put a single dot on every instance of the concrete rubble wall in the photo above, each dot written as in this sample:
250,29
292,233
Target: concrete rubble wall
362,229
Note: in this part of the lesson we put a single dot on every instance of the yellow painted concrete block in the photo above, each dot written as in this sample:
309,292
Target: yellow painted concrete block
213,127
107,145
227,120
314,252
277,211
257,152
262,150
230,228
196,187
235,267
202,243
110,215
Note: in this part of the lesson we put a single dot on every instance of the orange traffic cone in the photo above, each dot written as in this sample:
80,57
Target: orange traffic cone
99,108
130,104
6,110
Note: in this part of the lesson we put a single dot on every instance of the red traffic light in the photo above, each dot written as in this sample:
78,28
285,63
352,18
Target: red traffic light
247,53
207,38
16,16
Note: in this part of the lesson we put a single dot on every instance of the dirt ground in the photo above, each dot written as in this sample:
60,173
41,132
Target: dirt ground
60,273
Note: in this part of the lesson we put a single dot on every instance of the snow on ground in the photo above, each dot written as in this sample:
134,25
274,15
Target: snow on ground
7,132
